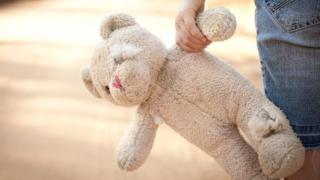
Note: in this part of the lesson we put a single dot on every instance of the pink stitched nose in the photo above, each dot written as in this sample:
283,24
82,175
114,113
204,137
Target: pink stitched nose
117,83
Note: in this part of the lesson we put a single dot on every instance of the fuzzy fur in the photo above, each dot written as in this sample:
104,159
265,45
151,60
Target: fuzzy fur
197,95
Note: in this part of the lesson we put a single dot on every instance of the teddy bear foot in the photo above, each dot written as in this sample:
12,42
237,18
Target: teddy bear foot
280,155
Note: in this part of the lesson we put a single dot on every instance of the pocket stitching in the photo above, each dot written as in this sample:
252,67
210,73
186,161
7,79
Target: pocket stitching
277,6
292,27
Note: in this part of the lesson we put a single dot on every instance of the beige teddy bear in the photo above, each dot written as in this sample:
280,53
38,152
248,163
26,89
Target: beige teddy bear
200,97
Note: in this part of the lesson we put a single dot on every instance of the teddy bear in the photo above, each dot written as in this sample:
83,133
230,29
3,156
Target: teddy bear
199,96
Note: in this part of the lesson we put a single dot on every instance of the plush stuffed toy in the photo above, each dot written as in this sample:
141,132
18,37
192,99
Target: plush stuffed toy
200,97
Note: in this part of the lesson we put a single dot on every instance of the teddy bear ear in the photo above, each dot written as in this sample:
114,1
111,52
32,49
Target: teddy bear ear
115,21
217,24
86,79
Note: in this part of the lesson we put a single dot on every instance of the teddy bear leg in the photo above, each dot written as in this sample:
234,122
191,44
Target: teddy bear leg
280,152
237,157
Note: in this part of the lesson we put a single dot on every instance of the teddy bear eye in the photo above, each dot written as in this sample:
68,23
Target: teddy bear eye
118,60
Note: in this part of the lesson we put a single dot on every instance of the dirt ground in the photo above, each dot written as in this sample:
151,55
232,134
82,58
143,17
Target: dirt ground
52,129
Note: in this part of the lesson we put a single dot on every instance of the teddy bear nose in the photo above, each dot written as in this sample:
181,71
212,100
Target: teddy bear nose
117,83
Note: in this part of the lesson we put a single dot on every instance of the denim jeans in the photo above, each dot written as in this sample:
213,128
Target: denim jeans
288,38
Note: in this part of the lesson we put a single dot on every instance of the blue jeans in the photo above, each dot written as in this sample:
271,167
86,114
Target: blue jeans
288,37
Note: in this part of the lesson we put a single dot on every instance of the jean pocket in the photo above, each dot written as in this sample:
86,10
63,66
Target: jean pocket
294,15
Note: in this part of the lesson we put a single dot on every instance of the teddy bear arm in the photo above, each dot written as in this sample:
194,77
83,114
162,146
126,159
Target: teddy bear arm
137,142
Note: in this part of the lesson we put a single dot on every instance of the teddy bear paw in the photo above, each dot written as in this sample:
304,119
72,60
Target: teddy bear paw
127,163
129,159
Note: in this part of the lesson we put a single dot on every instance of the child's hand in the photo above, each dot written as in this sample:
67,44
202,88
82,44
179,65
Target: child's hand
188,35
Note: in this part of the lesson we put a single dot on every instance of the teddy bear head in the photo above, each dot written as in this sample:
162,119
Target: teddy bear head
125,64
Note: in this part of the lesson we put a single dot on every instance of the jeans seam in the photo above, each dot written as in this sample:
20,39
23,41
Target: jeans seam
311,134
306,125
278,6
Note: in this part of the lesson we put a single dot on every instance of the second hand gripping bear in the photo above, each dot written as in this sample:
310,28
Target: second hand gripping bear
200,97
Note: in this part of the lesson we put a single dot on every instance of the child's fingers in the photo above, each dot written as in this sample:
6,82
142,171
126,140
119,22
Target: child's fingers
188,39
193,30
185,43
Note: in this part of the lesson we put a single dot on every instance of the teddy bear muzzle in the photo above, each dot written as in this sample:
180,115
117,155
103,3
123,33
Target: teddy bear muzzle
130,84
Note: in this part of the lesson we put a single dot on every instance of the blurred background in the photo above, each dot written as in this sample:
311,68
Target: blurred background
52,129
